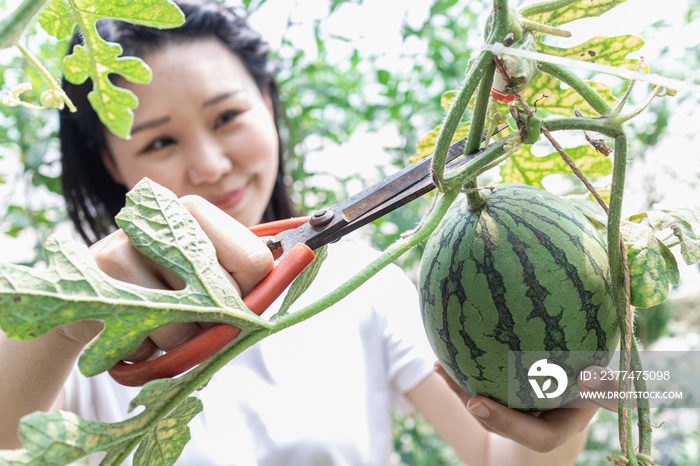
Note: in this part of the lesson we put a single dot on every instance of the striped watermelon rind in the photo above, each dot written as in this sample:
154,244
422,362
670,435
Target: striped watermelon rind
526,272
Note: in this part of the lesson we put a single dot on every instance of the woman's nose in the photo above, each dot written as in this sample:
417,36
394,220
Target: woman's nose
208,163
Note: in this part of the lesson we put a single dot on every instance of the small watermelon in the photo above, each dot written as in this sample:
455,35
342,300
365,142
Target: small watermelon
525,272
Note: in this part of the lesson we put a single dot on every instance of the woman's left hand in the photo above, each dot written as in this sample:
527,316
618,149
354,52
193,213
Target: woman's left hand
541,431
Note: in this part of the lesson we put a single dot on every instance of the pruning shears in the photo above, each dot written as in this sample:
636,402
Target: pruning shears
292,242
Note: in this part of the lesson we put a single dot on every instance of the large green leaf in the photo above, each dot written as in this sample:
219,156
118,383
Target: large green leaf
652,265
73,288
98,59
525,168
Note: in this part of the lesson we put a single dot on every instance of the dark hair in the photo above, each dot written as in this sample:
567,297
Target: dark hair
92,197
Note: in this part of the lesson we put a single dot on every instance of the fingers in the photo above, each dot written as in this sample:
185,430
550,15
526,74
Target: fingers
240,252
541,432
461,393
243,256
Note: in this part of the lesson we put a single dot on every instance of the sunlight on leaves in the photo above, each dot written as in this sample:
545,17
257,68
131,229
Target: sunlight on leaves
525,168
97,59
579,10
611,51
426,144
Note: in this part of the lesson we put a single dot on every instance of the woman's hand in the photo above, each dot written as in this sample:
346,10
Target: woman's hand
542,431
241,254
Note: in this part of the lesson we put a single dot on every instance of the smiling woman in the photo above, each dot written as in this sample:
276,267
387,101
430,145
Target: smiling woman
216,139
212,104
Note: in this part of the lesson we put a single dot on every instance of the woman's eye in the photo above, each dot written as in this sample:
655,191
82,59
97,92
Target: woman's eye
226,117
159,143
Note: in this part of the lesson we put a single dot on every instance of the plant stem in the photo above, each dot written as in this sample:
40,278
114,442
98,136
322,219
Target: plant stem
620,282
451,121
476,129
543,28
545,7
476,72
390,255
643,411
589,94
12,26
190,382
53,83
596,125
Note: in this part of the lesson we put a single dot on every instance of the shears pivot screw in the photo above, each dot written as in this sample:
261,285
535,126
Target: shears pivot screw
321,218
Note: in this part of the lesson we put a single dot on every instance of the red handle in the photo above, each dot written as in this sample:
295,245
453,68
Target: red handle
215,338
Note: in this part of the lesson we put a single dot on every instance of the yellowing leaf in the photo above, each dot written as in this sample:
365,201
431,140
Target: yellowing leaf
164,444
426,145
652,265
98,59
551,98
525,168
611,51
579,10
685,225
446,99
62,437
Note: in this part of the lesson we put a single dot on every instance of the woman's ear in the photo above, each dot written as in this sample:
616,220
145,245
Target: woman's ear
111,166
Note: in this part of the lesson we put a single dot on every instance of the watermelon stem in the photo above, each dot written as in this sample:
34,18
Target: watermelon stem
393,252
480,68
475,199
570,78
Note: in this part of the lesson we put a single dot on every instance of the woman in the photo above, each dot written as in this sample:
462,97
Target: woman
317,393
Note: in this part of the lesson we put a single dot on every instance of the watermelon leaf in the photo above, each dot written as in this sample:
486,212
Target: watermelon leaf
62,437
525,168
426,144
303,281
164,444
547,92
653,268
685,225
73,288
578,10
97,59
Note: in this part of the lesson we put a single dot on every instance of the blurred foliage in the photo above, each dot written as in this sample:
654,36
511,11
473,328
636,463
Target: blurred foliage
30,205
329,99
416,444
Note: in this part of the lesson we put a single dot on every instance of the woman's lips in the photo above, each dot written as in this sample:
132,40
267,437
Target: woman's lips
229,199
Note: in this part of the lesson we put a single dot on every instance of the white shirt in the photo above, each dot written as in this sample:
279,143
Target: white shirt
318,393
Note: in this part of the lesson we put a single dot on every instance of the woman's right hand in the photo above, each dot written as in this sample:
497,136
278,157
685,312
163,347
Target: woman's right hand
243,256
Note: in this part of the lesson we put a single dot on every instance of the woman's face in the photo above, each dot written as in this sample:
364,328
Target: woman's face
202,127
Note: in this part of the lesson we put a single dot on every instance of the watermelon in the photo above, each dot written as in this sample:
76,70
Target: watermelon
522,279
